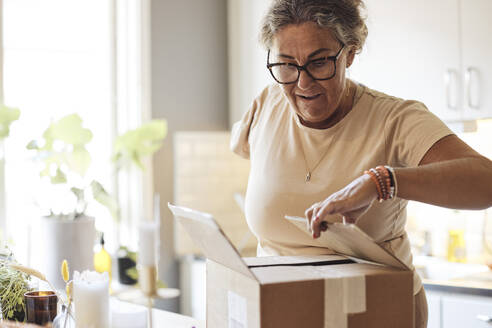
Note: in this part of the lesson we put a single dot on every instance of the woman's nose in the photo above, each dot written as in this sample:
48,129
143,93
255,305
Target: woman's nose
304,80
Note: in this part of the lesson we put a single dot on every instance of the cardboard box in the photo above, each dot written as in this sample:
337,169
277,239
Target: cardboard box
302,291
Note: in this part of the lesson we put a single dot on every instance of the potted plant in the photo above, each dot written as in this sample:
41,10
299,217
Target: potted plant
129,150
13,285
65,231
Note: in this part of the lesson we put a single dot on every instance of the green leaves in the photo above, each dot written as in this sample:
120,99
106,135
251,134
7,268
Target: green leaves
62,149
137,143
69,130
13,285
7,116
105,199
65,159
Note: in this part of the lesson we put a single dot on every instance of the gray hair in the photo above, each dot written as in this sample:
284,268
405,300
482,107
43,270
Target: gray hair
342,17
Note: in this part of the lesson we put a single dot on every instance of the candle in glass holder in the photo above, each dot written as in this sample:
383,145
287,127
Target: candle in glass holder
91,299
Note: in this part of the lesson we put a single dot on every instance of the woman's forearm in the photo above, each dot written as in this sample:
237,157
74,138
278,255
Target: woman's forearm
464,183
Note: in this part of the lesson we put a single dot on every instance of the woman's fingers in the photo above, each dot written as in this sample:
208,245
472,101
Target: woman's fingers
351,202
311,213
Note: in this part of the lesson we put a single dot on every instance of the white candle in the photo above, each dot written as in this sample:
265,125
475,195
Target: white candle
91,299
147,243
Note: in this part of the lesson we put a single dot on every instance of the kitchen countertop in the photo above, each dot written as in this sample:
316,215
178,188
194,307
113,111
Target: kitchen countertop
475,284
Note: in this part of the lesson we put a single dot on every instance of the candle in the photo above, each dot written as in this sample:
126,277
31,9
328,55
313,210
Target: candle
147,245
91,299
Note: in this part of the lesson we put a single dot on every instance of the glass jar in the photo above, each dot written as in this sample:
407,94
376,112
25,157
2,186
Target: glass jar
63,319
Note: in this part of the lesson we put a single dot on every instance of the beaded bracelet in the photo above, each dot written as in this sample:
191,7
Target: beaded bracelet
385,180
375,179
394,183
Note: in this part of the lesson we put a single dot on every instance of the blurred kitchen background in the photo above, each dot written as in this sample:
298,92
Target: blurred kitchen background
197,64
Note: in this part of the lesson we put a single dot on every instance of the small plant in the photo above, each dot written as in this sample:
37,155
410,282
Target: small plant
135,144
64,161
13,285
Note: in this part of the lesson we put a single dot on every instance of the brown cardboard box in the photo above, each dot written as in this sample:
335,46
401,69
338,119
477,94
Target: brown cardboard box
330,295
302,291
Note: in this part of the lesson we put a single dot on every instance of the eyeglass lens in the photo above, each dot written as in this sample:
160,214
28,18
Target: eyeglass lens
319,69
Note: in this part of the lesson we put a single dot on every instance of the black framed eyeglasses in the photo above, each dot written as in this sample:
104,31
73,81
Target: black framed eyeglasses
320,69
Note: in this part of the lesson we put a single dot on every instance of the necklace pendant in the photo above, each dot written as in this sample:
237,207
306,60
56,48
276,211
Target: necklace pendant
308,176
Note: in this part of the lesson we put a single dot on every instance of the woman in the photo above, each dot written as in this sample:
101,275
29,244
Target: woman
311,136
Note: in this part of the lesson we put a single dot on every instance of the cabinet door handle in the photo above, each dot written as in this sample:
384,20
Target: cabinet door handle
449,76
470,72
485,318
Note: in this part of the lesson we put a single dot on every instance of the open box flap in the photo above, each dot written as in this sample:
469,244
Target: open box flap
350,240
346,240
210,238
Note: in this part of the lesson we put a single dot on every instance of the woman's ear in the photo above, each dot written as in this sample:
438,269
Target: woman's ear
350,56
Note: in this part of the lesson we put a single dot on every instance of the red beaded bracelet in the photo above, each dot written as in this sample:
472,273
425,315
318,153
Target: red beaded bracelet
383,177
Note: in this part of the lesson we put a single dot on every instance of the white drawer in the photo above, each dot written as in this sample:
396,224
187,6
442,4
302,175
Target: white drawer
462,311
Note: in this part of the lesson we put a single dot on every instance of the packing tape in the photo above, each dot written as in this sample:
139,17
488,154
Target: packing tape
354,294
343,296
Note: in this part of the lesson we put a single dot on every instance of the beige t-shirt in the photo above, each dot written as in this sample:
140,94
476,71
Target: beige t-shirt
379,130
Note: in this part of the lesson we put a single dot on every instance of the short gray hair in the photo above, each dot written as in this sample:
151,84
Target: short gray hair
342,17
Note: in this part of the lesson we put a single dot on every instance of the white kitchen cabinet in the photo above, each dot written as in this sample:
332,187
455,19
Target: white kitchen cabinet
464,311
458,310
434,310
423,49
477,64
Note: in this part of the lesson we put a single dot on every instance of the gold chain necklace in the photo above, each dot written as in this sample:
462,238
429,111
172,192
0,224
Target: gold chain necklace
310,171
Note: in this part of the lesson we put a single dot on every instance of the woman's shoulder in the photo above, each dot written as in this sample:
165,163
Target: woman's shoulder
387,103
269,103
384,107
272,93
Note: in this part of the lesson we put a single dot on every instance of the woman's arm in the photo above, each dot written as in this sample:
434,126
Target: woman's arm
451,174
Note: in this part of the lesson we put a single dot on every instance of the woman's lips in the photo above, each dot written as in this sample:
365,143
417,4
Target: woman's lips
306,97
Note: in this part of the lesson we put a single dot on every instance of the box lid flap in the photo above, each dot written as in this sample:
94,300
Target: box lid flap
207,234
350,240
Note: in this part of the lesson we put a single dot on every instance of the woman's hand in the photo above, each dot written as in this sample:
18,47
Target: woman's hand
351,202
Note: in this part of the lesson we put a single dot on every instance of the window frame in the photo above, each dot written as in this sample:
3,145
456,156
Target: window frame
133,188
3,218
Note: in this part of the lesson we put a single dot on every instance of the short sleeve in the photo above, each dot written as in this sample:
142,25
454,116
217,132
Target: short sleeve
242,130
410,131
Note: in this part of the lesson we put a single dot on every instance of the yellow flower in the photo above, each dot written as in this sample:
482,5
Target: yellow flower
68,289
64,270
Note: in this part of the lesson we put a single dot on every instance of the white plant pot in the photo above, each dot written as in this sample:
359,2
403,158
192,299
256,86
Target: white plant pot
60,240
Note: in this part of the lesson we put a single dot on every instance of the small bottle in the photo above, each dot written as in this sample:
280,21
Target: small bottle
102,259
456,246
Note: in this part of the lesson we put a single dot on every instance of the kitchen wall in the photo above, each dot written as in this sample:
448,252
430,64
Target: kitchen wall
189,89
438,221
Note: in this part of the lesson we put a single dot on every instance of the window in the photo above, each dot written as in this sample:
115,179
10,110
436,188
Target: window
62,57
